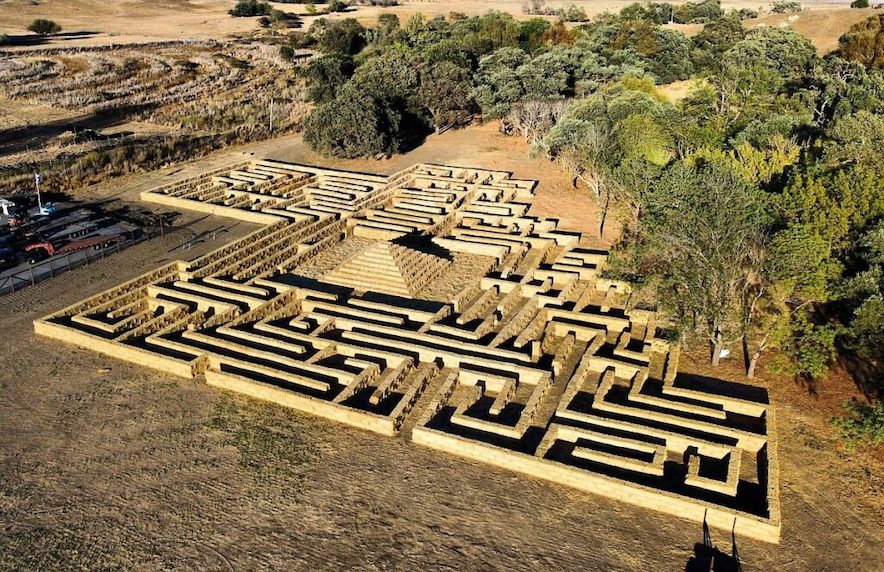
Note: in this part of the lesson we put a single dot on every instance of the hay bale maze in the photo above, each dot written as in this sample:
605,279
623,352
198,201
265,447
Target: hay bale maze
430,305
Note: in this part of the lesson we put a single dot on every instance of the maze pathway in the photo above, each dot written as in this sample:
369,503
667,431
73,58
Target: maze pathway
538,364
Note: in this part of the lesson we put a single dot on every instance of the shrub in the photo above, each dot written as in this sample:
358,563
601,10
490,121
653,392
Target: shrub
341,37
785,7
325,75
352,125
859,4
249,8
863,424
698,12
280,18
744,13
44,27
570,14
337,6
287,53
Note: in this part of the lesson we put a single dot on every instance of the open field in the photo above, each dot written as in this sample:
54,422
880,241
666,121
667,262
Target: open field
107,465
103,21
823,26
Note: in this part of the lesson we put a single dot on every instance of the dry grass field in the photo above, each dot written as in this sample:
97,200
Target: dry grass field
104,465
823,26
150,20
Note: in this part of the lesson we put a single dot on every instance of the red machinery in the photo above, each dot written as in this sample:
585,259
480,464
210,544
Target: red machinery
40,250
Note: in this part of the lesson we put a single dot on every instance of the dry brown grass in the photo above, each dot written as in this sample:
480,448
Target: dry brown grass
146,20
105,464
822,27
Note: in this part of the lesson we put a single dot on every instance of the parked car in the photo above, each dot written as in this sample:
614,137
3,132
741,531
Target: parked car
48,209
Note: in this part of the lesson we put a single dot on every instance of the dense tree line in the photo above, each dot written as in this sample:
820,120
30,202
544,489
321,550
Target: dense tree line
752,208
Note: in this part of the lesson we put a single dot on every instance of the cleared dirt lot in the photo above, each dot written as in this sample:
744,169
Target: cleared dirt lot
108,465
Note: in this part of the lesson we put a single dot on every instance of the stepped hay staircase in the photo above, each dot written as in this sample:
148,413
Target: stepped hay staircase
389,268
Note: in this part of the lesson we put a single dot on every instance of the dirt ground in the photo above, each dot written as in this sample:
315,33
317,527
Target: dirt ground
106,465
480,146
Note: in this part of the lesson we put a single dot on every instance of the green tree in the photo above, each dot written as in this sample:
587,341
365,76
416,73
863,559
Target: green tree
714,40
781,51
326,75
864,293
698,12
339,36
531,34
353,125
249,8
446,91
791,274
700,235
497,84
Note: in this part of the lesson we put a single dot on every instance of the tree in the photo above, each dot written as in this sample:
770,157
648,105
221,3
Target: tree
700,233
865,294
856,138
249,8
547,75
387,24
497,84
353,125
43,27
792,273
558,35
446,91
837,87
716,37
698,12
859,4
755,70
667,53
864,42
531,34
782,51
838,204
339,36
326,75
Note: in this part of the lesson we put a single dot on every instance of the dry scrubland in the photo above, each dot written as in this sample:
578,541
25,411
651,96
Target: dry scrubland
65,111
168,73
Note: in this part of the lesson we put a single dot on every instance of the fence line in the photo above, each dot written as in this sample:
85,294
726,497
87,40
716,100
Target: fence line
59,264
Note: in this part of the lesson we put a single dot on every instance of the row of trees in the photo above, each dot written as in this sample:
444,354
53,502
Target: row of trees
442,71
753,208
